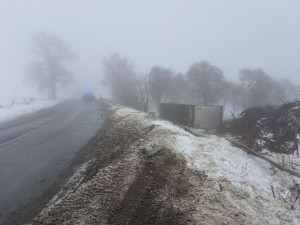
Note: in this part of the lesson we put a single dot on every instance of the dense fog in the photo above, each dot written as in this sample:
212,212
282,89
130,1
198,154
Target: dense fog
167,37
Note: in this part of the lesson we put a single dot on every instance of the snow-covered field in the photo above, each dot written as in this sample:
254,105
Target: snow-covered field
19,109
242,183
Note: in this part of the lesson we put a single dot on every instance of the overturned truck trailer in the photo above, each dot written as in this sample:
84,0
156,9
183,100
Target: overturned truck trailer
197,116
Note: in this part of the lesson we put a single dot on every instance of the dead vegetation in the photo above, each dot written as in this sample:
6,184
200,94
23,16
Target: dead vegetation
269,127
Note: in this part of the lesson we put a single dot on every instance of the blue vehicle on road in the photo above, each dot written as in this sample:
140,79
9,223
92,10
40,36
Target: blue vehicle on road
88,96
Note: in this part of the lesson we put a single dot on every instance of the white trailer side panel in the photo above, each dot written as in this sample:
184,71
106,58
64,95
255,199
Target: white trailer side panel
208,117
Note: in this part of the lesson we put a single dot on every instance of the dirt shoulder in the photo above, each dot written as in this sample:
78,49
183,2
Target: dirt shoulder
119,184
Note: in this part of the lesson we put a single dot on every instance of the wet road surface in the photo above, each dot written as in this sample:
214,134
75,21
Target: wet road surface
34,150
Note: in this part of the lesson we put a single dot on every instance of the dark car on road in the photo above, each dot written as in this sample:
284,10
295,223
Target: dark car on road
88,96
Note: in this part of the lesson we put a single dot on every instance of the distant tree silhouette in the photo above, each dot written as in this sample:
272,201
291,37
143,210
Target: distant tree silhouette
207,81
160,84
143,97
120,75
180,89
259,86
49,69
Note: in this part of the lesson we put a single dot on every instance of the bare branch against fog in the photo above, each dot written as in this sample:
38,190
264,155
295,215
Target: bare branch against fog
143,97
204,84
260,88
120,75
160,84
49,70
206,80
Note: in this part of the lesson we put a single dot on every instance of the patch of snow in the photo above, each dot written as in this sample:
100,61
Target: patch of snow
269,135
124,111
297,107
167,125
10,112
260,142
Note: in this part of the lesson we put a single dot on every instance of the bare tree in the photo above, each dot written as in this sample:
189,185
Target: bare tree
206,81
277,93
237,97
291,91
259,86
160,83
49,70
143,97
226,90
120,75
179,88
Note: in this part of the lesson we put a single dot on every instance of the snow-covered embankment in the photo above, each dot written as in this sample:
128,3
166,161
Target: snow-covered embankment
217,183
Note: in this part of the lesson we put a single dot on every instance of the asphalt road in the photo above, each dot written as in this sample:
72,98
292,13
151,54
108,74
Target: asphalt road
36,149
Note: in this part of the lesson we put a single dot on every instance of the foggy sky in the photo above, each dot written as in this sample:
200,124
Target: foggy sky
231,34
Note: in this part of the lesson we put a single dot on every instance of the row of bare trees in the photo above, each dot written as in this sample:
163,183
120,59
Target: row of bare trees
127,88
204,84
